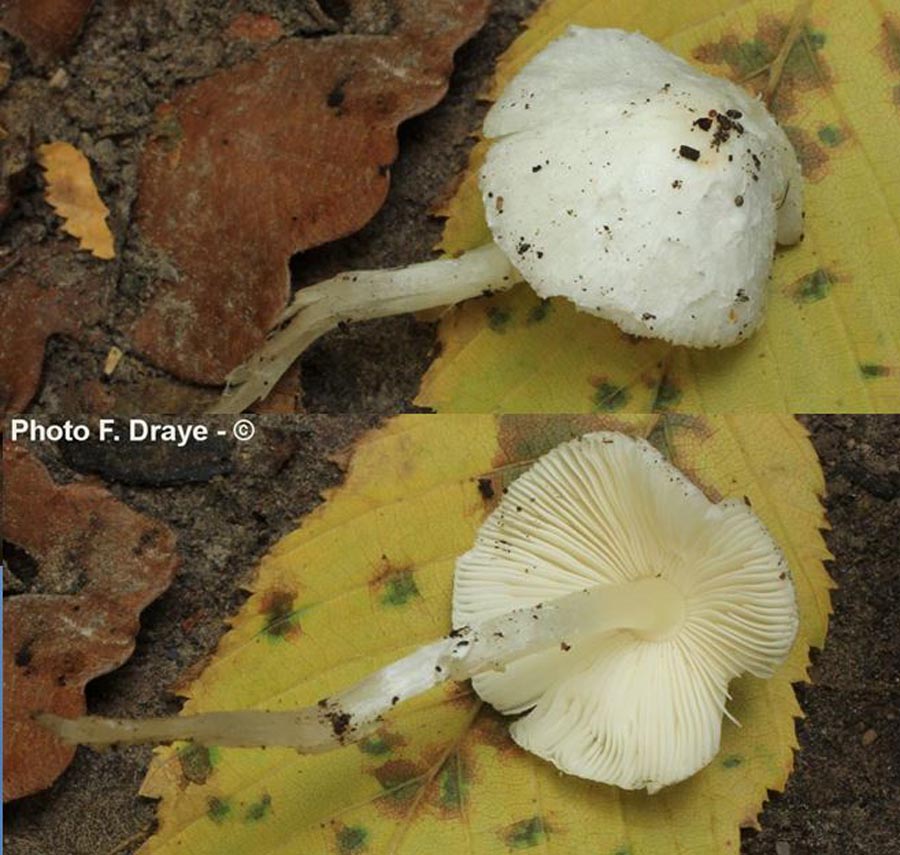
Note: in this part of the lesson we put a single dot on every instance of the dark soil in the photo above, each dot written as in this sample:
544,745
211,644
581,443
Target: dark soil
844,796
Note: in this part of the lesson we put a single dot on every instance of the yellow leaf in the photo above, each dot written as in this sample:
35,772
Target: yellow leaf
368,576
73,195
831,340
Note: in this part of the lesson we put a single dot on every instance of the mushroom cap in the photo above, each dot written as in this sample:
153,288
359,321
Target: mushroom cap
611,182
616,707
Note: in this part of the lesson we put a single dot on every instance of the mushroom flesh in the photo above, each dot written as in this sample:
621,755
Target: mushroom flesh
605,595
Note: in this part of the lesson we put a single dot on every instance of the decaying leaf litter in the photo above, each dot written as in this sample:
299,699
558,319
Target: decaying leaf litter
98,565
131,143
648,378
189,492
840,794
397,484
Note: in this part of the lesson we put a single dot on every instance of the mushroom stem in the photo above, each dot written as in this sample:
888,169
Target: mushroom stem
359,296
651,607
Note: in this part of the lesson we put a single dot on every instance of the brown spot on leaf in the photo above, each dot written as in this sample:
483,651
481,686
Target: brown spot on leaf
68,639
400,780
196,763
664,438
296,173
526,833
492,728
524,438
281,617
394,586
805,69
889,44
813,157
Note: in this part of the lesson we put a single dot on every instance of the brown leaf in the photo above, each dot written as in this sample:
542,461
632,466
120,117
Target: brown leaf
270,157
48,27
72,193
102,564
254,28
45,294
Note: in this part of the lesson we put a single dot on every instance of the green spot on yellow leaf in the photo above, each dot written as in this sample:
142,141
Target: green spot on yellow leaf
258,810
667,395
452,783
217,809
831,135
399,588
528,437
498,319
744,57
526,833
871,369
351,839
799,62
280,618
375,745
539,312
813,287
816,38
732,761
609,398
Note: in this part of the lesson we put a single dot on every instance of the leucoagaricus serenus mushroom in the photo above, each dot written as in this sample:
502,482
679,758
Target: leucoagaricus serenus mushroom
621,178
605,594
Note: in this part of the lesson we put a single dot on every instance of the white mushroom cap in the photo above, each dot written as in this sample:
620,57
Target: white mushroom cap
631,709
602,187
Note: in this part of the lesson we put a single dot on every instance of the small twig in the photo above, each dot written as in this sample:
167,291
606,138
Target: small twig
794,34
137,837
750,75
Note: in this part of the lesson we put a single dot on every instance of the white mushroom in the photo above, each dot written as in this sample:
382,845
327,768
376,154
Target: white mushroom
698,593
641,189
662,190
606,594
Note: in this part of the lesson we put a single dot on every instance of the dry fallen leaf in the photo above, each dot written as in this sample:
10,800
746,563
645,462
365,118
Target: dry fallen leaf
72,193
272,156
44,294
47,27
102,564
367,577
